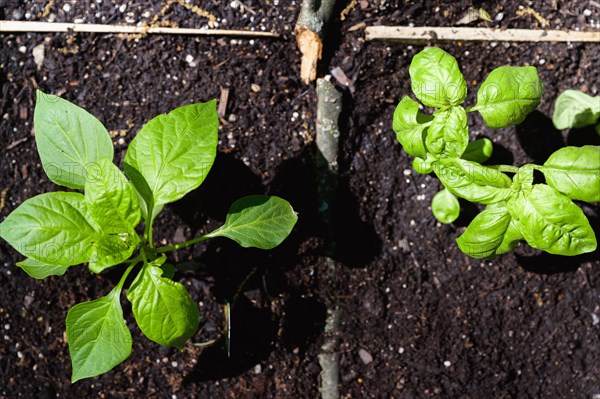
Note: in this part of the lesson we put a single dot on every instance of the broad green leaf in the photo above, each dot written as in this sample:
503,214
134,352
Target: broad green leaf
258,221
508,95
174,152
575,172
69,140
448,134
112,200
52,228
511,239
97,335
575,109
163,309
485,233
410,127
41,270
436,79
550,221
112,249
473,182
445,206
479,150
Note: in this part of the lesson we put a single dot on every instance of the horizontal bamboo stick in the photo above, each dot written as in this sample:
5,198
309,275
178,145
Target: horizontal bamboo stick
36,26
427,33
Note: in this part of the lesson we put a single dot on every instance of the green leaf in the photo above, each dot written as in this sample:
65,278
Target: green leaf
575,109
436,79
478,151
110,250
486,232
508,95
41,270
445,206
163,308
258,221
112,200
174,152
97,335
550,221
511,239
423,166
575,171
410,126
69,140
52,228
471,181
448,134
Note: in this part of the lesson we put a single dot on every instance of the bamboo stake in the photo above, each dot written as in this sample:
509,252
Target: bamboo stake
427,33
46,27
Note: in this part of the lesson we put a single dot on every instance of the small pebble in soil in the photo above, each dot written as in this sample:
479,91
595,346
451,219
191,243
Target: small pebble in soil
67,7
587,13
257,369
447,363
365,356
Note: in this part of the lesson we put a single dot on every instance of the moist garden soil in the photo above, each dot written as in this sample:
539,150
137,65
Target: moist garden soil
419,318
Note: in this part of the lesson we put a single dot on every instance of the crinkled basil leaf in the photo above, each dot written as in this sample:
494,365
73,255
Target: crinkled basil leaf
69,140
52,228
410,126
174,152
511,238
40,270
445,206
575,109
448,134
471,181
258,221
479,150
436,79
423,166
550,221
163,308
575,172
97,335
508,95
486,232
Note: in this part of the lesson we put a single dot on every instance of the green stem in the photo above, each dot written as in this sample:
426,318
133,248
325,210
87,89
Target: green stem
148,233
119,286
182,245
505,168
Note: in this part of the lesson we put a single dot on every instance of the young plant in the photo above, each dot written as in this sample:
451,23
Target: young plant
543,215
575,109
170,156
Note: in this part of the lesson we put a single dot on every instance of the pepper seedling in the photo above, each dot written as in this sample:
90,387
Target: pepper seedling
543,215
170,156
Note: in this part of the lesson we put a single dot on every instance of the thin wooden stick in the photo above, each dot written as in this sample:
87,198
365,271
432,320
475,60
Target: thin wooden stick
427,33
35,26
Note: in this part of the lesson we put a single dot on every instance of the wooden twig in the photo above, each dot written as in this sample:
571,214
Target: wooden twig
46,27
431,33
309,30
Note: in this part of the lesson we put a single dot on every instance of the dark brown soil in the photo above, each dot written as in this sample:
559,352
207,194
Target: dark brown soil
435,322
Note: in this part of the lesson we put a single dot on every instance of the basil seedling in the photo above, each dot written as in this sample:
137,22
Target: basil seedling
543,215
170,156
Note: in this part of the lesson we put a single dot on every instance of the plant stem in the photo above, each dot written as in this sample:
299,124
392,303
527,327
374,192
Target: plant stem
119,286
505,168
329,107
182,245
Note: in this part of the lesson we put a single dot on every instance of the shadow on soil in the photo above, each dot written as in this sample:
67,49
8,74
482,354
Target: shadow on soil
237,271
